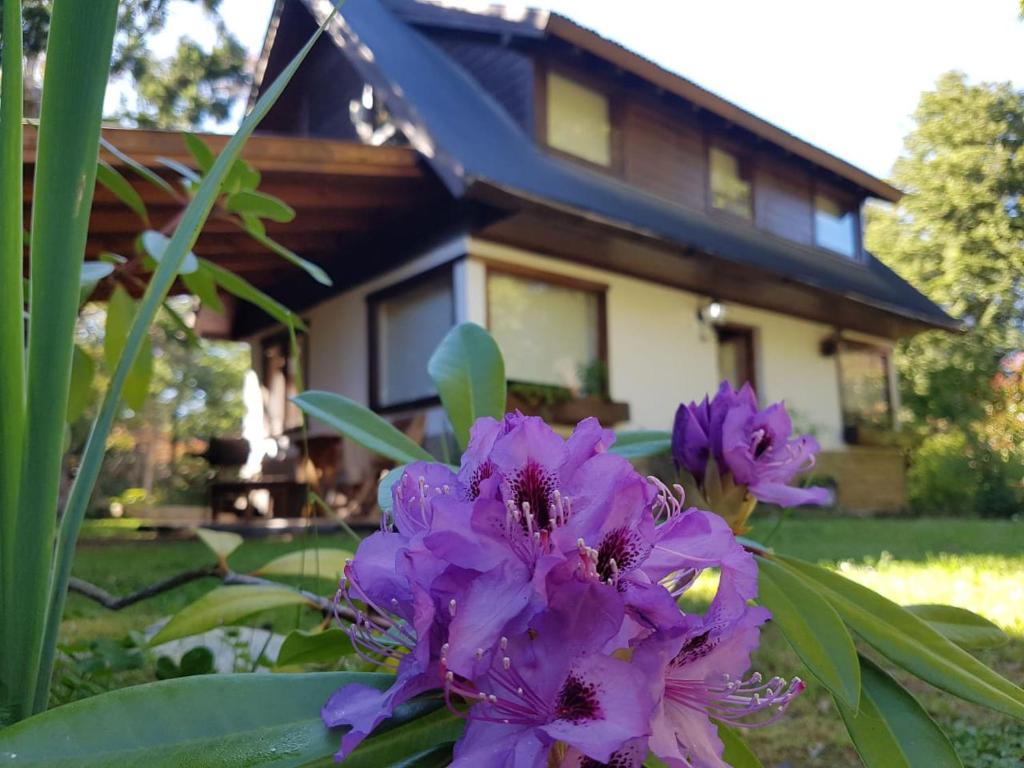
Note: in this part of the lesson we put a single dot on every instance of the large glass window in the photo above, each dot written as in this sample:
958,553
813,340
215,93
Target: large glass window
408,322
731,186
864,382
549,332
835,226
578,120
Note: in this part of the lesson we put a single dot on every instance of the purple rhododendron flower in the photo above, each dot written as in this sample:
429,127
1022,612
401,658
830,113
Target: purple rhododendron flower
536,588
754,447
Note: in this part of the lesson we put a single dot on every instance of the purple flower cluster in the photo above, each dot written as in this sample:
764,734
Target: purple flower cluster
537,588
727,444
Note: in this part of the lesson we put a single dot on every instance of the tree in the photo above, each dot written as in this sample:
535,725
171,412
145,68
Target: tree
185,90
958,235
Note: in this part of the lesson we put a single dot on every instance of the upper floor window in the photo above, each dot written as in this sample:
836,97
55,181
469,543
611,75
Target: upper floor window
549,329
407,322
731,184
835,226
578,120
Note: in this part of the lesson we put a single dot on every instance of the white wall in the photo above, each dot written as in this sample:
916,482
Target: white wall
660,354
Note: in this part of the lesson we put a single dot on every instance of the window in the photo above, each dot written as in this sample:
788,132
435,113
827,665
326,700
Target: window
550,331
578,120
835,226
407,322
864,389
280,384
731,187
736,355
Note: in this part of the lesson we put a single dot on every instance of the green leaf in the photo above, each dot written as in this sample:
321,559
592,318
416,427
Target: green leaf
322,563
468,370
207,721
813,629
141,170
185,235
386,484
221,543
200,152
641,443
963,627
243,289
189,177
121,311
226,605
92,273
201,283
891,730
198,661
110,178
260,204
736,754
911,643
408,741
83,369
302,647
259,235
155,244
359,423
241,176
437,757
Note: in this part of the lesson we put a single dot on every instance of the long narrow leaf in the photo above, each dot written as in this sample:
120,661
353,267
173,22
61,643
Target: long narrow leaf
911,643
891,730
77,62
813,629
12,324
243,289
184,238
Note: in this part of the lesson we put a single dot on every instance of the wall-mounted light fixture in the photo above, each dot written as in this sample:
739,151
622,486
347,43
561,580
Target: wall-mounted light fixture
711,313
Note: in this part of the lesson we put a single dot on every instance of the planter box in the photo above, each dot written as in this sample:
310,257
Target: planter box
571,412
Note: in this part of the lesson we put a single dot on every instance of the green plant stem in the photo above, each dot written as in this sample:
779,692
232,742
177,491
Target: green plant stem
12,302
78,59
185,236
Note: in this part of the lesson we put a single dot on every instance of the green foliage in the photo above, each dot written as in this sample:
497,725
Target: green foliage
321,562
326,647
963,627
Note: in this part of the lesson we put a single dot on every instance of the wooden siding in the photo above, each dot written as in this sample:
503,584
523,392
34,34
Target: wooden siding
783,201
664,154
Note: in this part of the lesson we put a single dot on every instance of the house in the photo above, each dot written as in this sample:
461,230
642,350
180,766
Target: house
622,232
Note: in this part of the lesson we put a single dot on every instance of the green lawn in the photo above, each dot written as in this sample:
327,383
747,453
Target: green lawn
975,564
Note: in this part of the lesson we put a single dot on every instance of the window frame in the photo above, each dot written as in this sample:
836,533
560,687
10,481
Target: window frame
545,68
373,347
600,290
747,164
850,431
750,332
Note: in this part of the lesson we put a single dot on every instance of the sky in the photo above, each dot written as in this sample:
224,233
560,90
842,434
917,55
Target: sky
843,76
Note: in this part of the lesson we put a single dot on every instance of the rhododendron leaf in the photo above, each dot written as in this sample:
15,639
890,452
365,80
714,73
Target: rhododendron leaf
221,543
438,757
963,627
302,647
223,720
736,754
405,744
892,730
359,423
813,628
469,372
912,643
321,562
225,605
642,443
386,484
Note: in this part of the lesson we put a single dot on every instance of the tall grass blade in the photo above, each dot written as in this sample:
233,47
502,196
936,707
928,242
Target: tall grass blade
181,243
12,340
77,62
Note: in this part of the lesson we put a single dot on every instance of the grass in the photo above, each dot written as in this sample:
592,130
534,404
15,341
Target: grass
975,564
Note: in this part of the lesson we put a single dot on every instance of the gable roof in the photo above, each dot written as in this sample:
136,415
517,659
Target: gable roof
475,145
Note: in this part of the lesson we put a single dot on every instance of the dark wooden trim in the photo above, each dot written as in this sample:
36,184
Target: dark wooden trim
600,290
373,300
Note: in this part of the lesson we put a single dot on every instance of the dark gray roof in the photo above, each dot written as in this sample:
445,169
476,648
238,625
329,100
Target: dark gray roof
470,139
